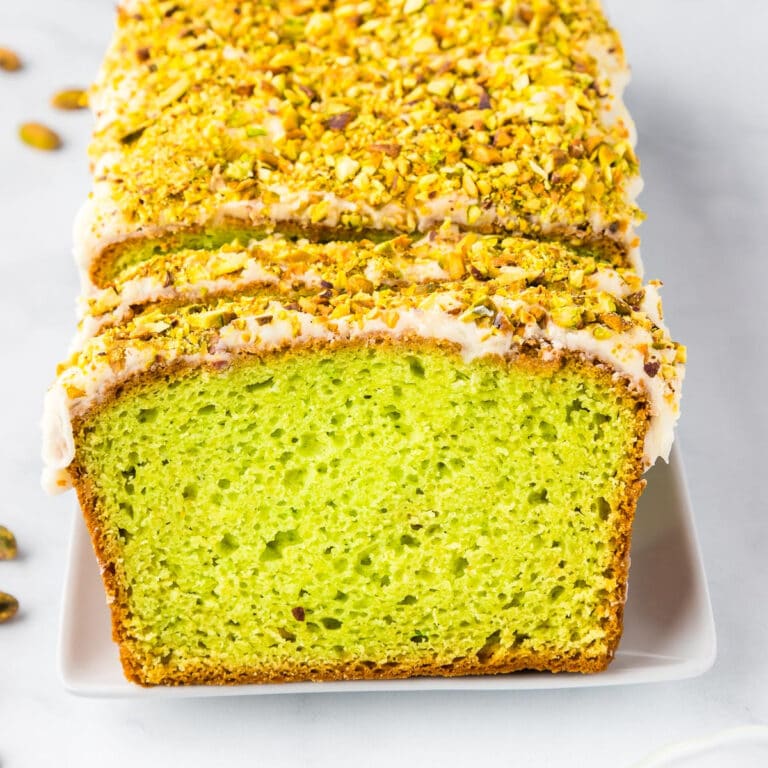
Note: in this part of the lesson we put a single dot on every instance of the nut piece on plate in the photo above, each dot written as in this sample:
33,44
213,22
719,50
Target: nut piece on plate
9,605
39,136
9,60
7,544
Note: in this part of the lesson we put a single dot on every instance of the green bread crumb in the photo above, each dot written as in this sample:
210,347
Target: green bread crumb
361,504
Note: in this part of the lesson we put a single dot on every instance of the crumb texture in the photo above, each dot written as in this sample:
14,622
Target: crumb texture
363,506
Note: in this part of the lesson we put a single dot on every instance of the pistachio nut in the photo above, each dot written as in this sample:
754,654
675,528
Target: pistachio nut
9,605
9,60
71,98
39,136
7,544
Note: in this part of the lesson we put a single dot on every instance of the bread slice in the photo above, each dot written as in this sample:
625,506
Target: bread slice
363,510
281,265
222,121
336,480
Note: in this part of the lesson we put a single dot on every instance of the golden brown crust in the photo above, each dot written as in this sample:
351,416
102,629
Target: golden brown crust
201,675
530,359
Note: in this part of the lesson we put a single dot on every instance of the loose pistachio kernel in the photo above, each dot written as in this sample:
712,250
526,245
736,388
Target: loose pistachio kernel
9,606
72,98
7,544
39,136
9,60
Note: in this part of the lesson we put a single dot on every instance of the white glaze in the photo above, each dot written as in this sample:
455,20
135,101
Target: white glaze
431,320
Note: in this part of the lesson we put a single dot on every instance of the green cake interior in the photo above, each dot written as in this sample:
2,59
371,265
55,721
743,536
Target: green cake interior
128,253
362,507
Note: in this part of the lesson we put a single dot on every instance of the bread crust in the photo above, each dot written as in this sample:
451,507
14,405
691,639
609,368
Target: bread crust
498,661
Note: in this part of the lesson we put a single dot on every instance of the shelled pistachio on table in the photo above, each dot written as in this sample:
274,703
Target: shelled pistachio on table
69,99
39,136
9,60
7,544
9,605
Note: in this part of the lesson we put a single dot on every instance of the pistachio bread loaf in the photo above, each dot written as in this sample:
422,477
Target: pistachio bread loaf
367,375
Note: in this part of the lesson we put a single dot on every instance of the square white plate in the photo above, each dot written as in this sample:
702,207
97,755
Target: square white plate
669,630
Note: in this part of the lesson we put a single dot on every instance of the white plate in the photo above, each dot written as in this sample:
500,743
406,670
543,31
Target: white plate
742,747
669,631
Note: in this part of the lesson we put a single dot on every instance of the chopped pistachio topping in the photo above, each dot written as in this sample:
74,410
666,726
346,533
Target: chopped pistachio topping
513,263
277,174
381,114
507,287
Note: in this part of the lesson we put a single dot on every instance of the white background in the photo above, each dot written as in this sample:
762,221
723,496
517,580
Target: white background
701,106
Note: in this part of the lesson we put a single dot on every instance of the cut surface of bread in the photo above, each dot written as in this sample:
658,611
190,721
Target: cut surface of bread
365,510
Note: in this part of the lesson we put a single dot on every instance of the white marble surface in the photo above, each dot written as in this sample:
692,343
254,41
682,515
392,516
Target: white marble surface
702,116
